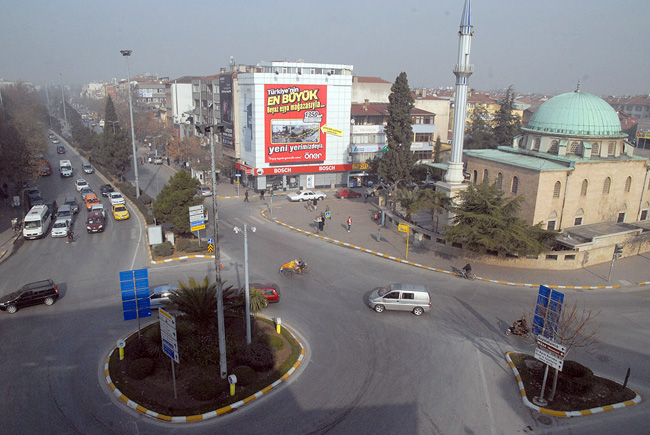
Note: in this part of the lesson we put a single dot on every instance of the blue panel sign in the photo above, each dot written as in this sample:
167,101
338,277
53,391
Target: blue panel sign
547,312
135,283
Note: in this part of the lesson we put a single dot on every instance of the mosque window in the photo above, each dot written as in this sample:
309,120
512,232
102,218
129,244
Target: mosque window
556,189
574,147
553,148
485,175
578,218
610,149
606,185
644,211
475,177
515,184
583,190
499,180
537,143
595,149
628,183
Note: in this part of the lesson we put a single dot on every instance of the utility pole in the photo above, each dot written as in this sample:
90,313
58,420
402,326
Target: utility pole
127,54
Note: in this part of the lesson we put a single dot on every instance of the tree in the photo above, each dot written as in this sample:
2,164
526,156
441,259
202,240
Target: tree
506,124
486,221
435,202
398,160
197,300
478,134
437,151
115,148
173,202
407,198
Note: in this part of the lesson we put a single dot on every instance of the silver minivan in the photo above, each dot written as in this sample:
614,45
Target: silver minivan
401,297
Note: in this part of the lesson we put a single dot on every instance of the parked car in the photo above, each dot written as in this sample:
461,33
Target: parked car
306,195
60,227
34,293
120,212
270,290
205,190
95,222
80,183
347,193
45,169
158,160
72,202
88,168
377,189
106,189
116,198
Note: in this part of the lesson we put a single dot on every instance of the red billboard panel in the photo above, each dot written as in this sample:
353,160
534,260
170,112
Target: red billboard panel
293,117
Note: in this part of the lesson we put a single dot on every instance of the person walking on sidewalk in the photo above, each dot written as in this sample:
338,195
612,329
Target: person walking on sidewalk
246,196
378,235
262,195
349,223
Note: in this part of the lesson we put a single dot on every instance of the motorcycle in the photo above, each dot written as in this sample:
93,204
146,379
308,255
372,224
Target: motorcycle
518,329
467,275
292,268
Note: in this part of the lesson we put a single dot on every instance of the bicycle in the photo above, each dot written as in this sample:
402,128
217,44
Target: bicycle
70,237
467,275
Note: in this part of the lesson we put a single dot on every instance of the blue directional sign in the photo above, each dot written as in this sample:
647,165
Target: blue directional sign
134,285
547,312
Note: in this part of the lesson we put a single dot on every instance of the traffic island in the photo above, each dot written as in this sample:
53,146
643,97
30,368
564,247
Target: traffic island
143,378
579,391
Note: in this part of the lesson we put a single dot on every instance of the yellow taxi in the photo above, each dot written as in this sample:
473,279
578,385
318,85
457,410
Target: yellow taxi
120,212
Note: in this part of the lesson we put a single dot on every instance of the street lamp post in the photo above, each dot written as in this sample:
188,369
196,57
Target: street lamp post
127,54
65,116
223,365
247,288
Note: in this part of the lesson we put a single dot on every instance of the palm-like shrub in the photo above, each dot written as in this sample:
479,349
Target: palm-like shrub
197,300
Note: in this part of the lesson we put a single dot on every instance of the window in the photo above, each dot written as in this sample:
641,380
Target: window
515,184
485,175
606,185
408,296
553,148
392,295
621,218
499,180
628,183
595,149
556,189
583,190
550,225
574,147
644,215
475,177
537,144
578,221
610,148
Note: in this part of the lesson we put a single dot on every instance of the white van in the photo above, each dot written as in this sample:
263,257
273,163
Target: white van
37,222
401,297
65,167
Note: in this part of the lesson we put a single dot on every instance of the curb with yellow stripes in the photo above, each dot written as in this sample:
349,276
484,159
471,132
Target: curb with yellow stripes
599,409
207,415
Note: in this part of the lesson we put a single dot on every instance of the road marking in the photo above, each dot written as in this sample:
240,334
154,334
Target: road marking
485,390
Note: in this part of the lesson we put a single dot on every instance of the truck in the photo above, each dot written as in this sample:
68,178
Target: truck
65,168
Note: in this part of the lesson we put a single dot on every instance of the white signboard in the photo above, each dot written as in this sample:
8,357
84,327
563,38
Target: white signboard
549,358
168,334
551,346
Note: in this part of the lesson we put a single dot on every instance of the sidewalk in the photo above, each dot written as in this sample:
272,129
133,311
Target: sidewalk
627,272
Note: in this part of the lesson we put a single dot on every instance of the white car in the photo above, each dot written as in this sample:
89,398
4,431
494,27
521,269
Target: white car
60,228
88,169
80,184
306,195
116,198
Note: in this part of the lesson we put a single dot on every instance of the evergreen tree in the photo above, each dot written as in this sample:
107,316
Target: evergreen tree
478,134
506,124
115,150
173,202
398,160
437,151
485,220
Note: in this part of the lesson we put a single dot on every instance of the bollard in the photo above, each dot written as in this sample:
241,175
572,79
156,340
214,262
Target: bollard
278,325
232,380
120,345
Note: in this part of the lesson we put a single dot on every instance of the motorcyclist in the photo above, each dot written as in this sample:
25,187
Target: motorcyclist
301,265
520,326
467,269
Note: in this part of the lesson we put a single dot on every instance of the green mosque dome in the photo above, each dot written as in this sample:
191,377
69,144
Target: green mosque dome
576,114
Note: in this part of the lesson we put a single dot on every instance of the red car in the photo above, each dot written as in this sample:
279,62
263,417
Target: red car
347,193
270,291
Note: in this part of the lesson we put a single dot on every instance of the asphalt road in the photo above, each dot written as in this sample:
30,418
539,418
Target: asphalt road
443,372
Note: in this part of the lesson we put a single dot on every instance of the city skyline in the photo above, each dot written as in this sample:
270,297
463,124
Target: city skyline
544,47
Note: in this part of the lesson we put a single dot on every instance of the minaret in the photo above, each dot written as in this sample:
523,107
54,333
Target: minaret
462,70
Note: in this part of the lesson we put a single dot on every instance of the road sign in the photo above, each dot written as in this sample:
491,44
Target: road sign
168,334
134,286
551,346
404,228
195,226
549,358
547,312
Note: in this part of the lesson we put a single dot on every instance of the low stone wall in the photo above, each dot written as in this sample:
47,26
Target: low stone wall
601,251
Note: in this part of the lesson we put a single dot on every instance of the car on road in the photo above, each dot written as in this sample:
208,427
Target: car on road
45,169
95,222
106,189
60,149
52,136
85,191
347,193
91,200
73,203
116,198
55,140
60,227
205,190
99,207
306,195
120,212
158,160
270,291
159,295
65,212
80,183
88,168
401,297
34,196
34,293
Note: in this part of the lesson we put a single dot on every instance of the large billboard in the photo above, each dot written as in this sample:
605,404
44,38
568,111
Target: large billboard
293,117
225,98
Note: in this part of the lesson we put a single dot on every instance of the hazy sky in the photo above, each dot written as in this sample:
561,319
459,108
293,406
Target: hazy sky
535,45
